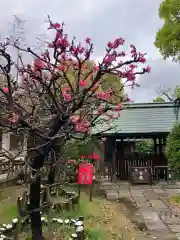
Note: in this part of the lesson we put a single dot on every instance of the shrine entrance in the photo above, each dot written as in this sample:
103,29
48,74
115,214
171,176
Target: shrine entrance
139,122
125,159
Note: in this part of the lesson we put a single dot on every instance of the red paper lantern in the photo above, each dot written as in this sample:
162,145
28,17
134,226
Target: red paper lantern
85,173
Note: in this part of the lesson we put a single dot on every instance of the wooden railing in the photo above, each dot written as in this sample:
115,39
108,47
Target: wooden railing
54,199
53,195
10,170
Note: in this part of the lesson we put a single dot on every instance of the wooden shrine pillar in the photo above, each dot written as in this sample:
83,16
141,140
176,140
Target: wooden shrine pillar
160,145
155,144
114,167
164,142
108,154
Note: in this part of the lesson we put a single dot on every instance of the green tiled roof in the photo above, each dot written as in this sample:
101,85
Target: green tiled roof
142,118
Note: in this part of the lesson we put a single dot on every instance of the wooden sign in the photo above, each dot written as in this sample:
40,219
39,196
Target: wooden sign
85,174
140,175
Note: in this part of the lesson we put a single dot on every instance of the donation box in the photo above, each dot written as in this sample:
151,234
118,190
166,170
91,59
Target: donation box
140,175
85,173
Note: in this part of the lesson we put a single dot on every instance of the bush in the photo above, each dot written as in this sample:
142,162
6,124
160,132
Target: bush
144,146
172,150
175,199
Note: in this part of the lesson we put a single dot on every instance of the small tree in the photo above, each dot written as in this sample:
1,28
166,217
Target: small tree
172,150
159,99
167,37
144,146
167,95
60,97
74,148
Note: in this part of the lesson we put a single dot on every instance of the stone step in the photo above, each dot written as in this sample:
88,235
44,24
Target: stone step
117,194
169,217
163,235
171,192
158,218
149,194
175,228
152,220
111,195
136,193
158,206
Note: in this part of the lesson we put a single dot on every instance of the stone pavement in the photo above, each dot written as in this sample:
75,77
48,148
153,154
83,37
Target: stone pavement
159,217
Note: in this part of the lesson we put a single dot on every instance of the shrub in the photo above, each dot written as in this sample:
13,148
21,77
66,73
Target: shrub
172,150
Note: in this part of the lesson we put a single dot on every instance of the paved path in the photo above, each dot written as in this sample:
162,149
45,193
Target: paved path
151,203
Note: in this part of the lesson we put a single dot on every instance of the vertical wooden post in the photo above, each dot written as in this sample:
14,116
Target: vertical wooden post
160,145
91,191
155,145
79,190
18,225
79,185
110,155
114,177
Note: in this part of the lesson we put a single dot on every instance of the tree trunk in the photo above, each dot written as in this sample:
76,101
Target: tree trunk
55,156
52,171
51,175
35,187
36,226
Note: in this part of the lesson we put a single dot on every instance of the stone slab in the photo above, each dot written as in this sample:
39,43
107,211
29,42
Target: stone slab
136,193
124,193
111,195
171,192
115,194
161,193
170,218
152,221
158,190
142,203
158,206
174,228
163,235
150,195
172,186
123,184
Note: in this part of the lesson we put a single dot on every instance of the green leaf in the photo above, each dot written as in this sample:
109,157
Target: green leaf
167,38
172,150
